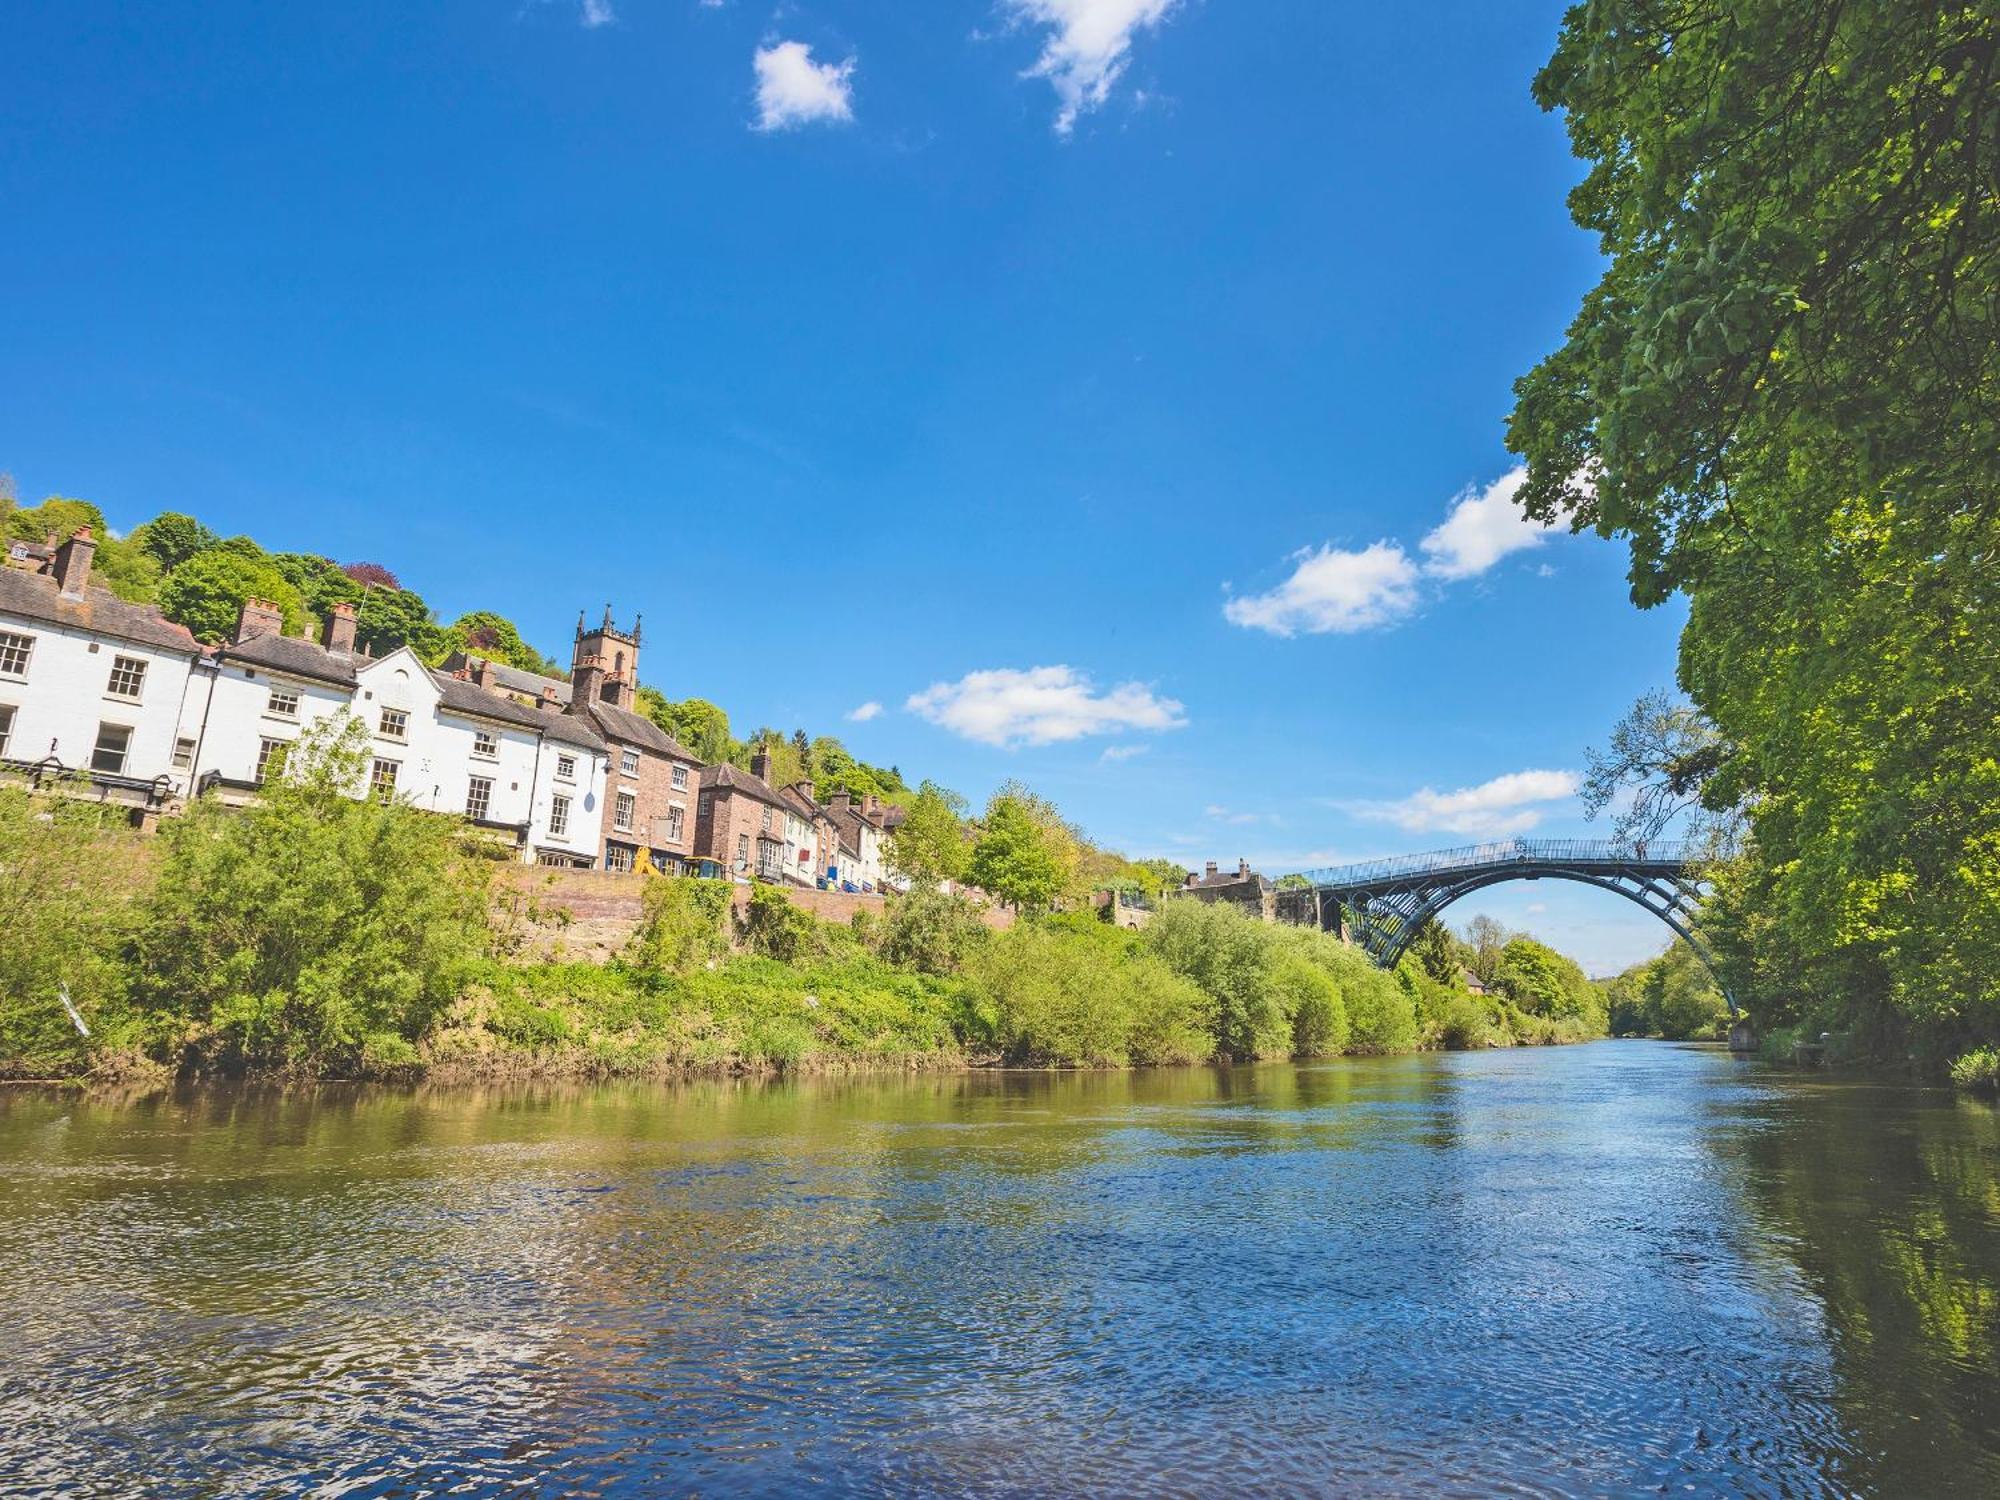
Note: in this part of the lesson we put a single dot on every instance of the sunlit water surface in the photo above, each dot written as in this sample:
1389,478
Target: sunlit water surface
1626,1267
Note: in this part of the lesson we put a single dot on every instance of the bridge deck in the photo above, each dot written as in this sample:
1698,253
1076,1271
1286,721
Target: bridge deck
1666,856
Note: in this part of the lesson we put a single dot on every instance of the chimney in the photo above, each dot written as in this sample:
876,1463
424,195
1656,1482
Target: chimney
841,800
871,806
1211,870
484,675
806,789
73,563
258,617
550,701
1242,869
760,763
339,634
586,682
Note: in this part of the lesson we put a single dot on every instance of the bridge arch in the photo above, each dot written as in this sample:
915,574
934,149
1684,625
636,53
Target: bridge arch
1382,906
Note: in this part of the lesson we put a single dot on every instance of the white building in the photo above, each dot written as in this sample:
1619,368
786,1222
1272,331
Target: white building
863,840
436,741
88,682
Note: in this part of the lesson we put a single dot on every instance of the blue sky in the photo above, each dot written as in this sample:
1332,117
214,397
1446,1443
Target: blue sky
1110,390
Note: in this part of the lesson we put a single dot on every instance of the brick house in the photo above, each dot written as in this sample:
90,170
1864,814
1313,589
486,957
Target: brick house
741,823
1243,887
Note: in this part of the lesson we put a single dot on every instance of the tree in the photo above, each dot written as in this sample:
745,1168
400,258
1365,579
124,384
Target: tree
1437,951
319,580
695,722
1543,982
930,845
207,592
390,617
1017,860
481,632
56,517
171,538
1785,393
1668,753
372,575
1486,938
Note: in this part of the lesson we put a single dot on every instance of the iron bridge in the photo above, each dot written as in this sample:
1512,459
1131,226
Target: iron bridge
1382,905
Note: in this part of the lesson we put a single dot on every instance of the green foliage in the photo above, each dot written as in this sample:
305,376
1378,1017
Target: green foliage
684,925
1543,982
486,634
69,880
695,722
1024,856
1234,961
292,932
931,844
171,538
1069,996
1439,953
388,618
1672,996
319,580
207,592
56,517
1978,1071
1785,392
772,927
1308,994
929,932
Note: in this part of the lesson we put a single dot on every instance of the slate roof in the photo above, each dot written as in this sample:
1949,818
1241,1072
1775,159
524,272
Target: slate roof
289,654
37,596
726,778
513,679
628,728
475,702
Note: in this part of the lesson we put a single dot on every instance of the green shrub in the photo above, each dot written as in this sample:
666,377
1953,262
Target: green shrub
1051,996
771,927
929,931
1234,961
1319,1016
683,925
1978,1071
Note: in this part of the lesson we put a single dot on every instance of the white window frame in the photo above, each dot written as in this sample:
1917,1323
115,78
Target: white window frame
383,788
267,746
8,713
676,823
680,778
133,669
558,817
17,654
565,768
183,757
624,807
618,859
124,752
628,761
478,797
401,733
283,703
485,744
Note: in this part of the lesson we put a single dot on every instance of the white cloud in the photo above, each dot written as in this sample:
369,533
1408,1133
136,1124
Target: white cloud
1237,819
597,13
793,90
864,713
1040,706
1115,753
1493,809
1088,47
1333,590
1484,526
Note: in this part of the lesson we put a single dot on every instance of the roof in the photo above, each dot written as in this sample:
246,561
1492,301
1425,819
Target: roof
628,728
798,802
37,596
1227,878
726,778
513,679
286,653
468,698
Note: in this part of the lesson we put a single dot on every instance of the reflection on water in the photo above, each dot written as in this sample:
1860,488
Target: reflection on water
1583,1270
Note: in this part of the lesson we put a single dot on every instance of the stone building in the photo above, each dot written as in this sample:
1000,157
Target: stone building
742,823
1242,887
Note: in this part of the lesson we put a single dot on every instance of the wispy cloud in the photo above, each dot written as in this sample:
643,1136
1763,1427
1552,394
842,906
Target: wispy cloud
1483,526
1237,818
1494,809
1115,753
597,13
869,710
1088,47
1331,590
1041,706
793,90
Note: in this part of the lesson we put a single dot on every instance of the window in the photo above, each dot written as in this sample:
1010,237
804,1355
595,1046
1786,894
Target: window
114,742
6,726
283,703
617,857
270,759
566,767
395,725
478,796
629,762
676,821
707,803
680,778
558,816
742,850
485,744
767,820
621,811
183,754
14,653
128,677
382,780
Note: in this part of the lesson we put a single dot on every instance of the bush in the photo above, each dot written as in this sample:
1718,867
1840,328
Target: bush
929,931
1234,961
1050,996
771,927
291,932
1978,1071
682,925
1319,1016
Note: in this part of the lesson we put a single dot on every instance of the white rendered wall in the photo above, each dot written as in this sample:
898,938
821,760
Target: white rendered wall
62,700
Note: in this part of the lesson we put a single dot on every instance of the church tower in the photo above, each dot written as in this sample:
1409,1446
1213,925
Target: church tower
605,665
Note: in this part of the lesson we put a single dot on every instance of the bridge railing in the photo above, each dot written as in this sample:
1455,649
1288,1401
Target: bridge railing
1508,851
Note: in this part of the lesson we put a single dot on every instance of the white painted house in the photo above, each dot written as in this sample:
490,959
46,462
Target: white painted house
436,740
88,682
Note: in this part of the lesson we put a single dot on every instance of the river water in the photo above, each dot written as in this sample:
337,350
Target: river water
1618,1268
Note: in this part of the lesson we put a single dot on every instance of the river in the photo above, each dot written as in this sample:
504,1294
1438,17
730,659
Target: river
1616,1268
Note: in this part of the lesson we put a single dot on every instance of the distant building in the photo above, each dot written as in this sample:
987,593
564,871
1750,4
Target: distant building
863,829
1243,888
742,823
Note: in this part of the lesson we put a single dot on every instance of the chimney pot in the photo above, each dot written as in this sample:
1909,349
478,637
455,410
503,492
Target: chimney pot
1243,869
339,634
1211,870
760,763
73,563
483,673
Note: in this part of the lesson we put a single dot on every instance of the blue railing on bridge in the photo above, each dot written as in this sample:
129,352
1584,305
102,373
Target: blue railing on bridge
1513,851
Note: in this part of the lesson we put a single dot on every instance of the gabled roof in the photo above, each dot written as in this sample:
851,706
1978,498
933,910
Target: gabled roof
288,654
798,802
726,778
513,679
37,596
628,728
461,697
